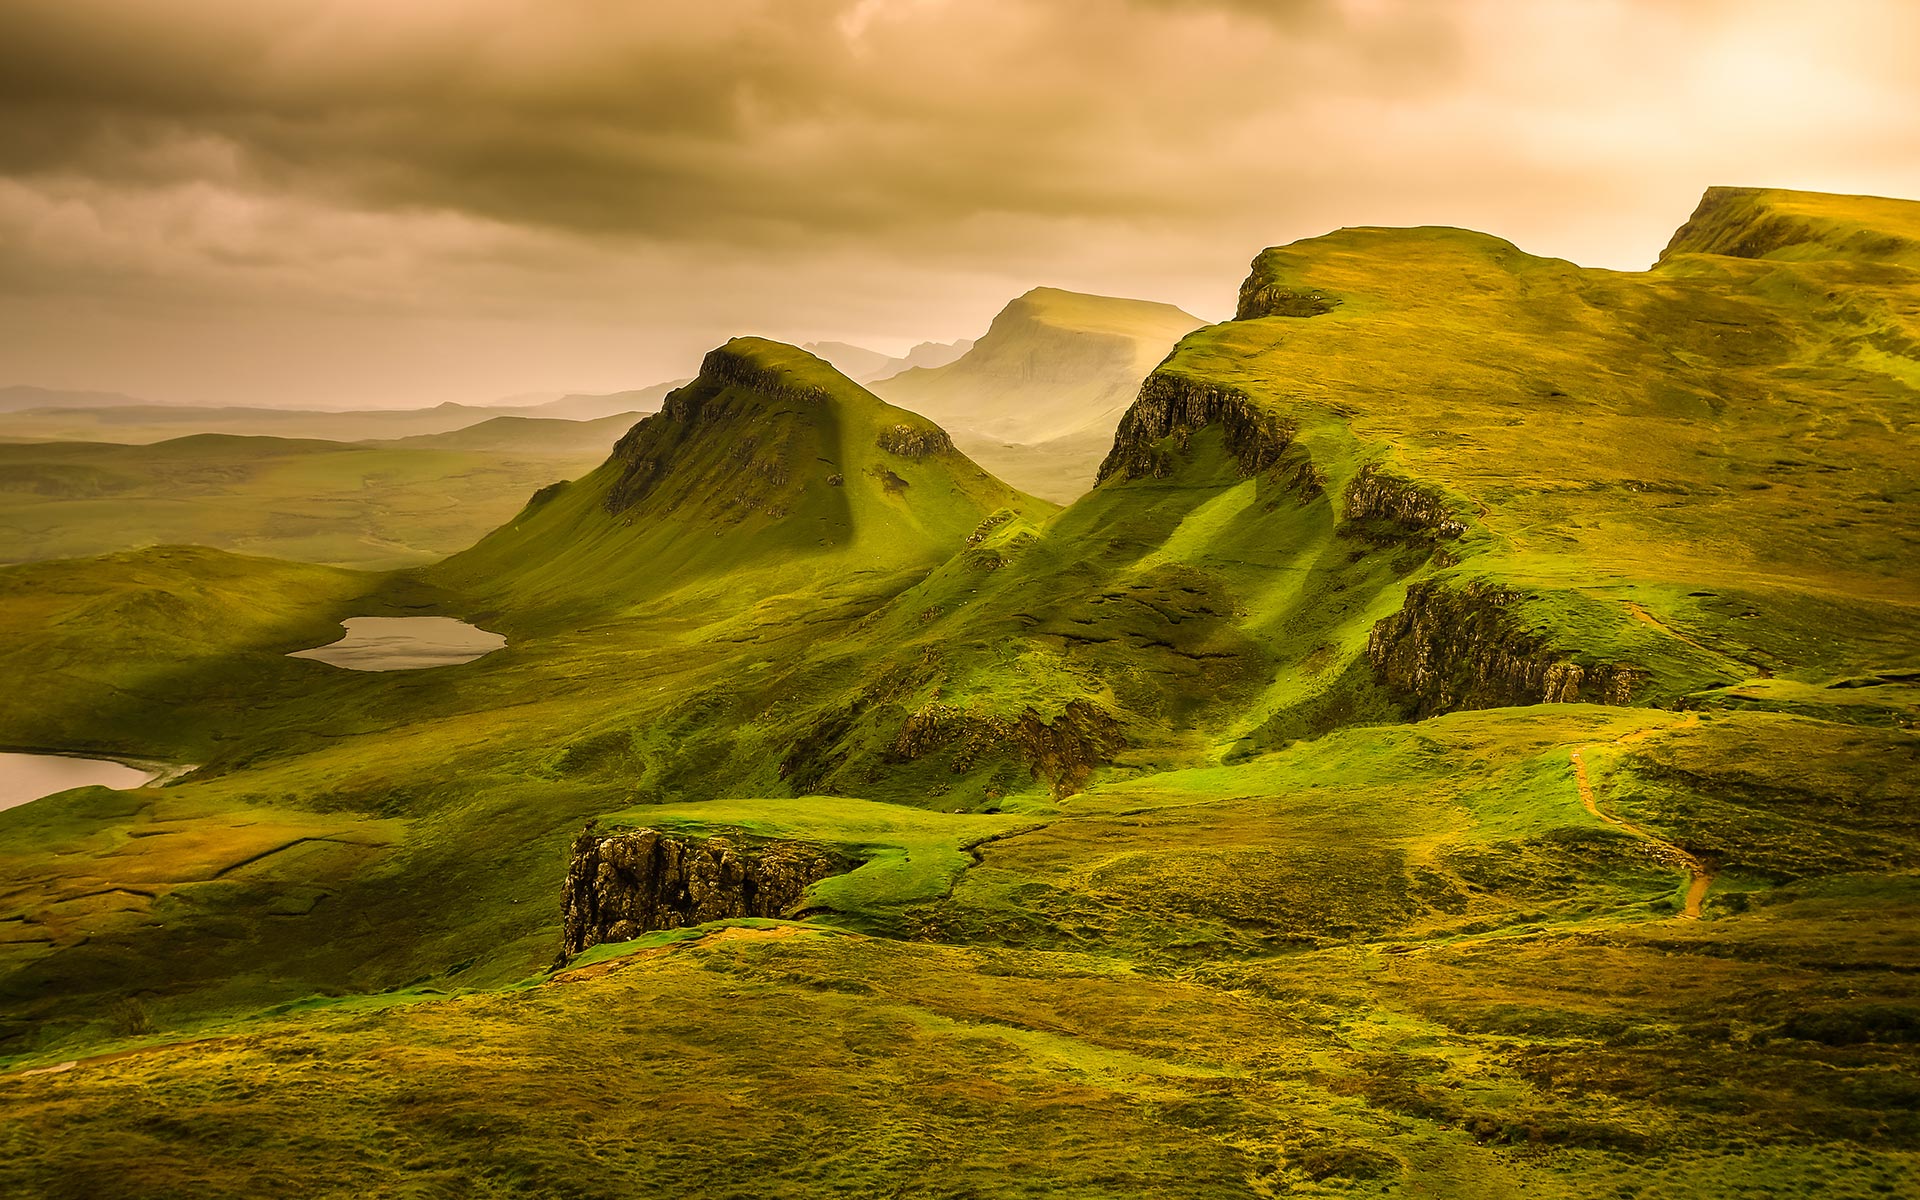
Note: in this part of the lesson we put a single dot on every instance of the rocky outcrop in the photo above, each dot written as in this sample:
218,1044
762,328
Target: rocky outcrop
1411,510
1063,751
1171,407
727,367
1459,648
914,441
623,884
1266,293
732,389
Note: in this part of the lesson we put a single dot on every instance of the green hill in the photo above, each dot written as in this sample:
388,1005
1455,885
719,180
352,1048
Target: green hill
375,504
1037,397
1464,745
770,462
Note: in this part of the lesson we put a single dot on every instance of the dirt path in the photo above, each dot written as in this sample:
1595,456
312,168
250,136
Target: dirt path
1699,877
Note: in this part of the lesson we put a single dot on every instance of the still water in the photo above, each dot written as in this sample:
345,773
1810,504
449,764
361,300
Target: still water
404,644
25,777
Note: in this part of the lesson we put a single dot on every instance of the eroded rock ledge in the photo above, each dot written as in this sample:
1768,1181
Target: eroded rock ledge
1460,648
1174,406
626,883
1416,511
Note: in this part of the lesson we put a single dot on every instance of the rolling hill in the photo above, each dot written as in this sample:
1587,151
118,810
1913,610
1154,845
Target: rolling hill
388,504
1464,744
1037,397
769,457
138,423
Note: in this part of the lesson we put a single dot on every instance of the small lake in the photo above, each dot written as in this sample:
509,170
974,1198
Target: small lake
25,777
404,644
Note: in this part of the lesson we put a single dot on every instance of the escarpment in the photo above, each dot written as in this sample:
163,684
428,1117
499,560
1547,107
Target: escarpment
1266,294
621,885
1450,648
1406,509
1172,407
744,400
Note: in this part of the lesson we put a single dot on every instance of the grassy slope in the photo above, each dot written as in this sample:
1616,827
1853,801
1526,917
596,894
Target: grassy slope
1274,946
1037,397
793,487
374,505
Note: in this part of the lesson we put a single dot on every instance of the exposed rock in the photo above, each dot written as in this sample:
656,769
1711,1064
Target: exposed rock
621,885
1450,648
1172,406
1063,751
993,521
1266,293
1421,512
1278,300
731,388
914,441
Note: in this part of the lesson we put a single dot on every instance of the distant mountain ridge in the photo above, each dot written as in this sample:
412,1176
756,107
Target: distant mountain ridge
137,422
21,397
1037,398
867,366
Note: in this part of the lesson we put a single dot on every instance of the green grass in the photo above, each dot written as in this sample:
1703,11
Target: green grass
1162,890
374,505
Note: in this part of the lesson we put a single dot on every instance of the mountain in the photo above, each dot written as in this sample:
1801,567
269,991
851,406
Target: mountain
770,456
1788,226
18,398
1037,397
135,422
593,407
855,362
1463,744
865,366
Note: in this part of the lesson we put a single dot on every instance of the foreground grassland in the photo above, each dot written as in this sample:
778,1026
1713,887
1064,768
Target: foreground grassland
1253,826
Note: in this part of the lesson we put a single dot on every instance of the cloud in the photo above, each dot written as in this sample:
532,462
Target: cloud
462,159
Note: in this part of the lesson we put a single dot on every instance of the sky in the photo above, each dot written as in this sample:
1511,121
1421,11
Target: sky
375,203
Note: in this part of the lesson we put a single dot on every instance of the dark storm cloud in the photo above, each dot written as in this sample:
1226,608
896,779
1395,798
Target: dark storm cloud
198,190
748,119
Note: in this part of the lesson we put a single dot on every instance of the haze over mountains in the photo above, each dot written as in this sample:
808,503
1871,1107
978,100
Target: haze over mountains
1463,744
865,366
1037,398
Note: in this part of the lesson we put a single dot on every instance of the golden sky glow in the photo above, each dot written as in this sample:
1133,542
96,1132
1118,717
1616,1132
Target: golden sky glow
362,202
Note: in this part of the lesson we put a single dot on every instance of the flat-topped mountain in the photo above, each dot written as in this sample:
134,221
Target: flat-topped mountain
1037,397
1791,226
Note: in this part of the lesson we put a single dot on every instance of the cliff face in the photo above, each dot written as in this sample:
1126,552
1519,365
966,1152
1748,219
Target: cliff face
625,884
1174,406
1269,292
1450,649
1409,509
731,390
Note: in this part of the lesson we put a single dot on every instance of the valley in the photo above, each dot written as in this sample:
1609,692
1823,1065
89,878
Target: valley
1448,730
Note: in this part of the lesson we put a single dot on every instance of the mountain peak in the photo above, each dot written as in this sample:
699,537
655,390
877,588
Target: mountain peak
1781,224
768,460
